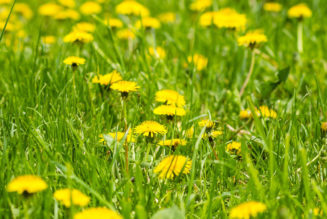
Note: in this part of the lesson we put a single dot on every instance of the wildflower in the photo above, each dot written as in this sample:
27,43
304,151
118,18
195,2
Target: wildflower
168,17
206,123
99,212
200,5
113,23
317,212
199,61
229,18
67,14
3,2
170,97
207,18
158,52
49,9
299,11
84,26
74,61
252,39
125,87
67,3
90,7
24,10
107,79
48,39
130,7
272,6
173,142
247,210
172,166
27,184
125,34
264,111
169,110
150,128
78,36
119,136
245,114
67,195
234,148
324,126
189,132
147,23
215,134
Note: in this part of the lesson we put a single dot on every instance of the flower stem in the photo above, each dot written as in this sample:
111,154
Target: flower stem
124,121
249,73
300,37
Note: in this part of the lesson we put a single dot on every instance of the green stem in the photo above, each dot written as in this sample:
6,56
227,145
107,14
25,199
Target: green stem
249,73
300,37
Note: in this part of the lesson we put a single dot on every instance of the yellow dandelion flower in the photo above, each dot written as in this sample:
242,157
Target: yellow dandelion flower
272,6
3,2
78,36
234,148
150,128
119,136
48,39
299,11
49,9
317,212
84,26
90,7
24,10
99,212
130,7
125,86
264,111
199,61
189,132
206,123
247,210
324,126
172,142
65,196
167,17
74,61
107,79
200,5
113,23
207,18
67,3
170,97
27,184
245,114
216,133
169,110
229,18
67,14
251,39
147,23
158,52
172,166
125,34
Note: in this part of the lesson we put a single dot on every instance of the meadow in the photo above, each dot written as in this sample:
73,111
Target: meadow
163,109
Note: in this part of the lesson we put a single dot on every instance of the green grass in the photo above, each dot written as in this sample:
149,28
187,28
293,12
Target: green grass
50,129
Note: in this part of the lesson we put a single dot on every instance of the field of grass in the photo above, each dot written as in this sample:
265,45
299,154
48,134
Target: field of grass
270,141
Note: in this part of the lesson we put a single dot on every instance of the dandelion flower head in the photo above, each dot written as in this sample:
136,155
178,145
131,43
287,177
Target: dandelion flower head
65,196
172,166
299,11
272,7
84,26
200,62
200,5
125,86
167,17
28,184
247,210
252,39
130,7
150,128
107,79
169,110
74,61
147,23
90,7
99,212
170,97
234,148
78,36
172,142
157,52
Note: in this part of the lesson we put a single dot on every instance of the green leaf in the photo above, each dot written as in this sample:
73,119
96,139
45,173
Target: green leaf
283,74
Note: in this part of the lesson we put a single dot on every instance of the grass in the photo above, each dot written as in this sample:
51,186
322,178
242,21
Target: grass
50,129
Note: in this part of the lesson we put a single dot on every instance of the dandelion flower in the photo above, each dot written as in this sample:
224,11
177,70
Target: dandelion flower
78,36
247,210
167,17
24,10
67,3
150,128
99,212
172,166
147,23
251,39
125,87
130,7
125,34
90,7
113,23
65,196
189,132
84,26
206,123
234,148
324,126
200,5
27,184
229,18
172,142
48,39
119,136
67,14
200,62
272,7
299,11
216,133
170,97
49,9
107,79
264,111
74,61
158,52
245,114
169,110
207,18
